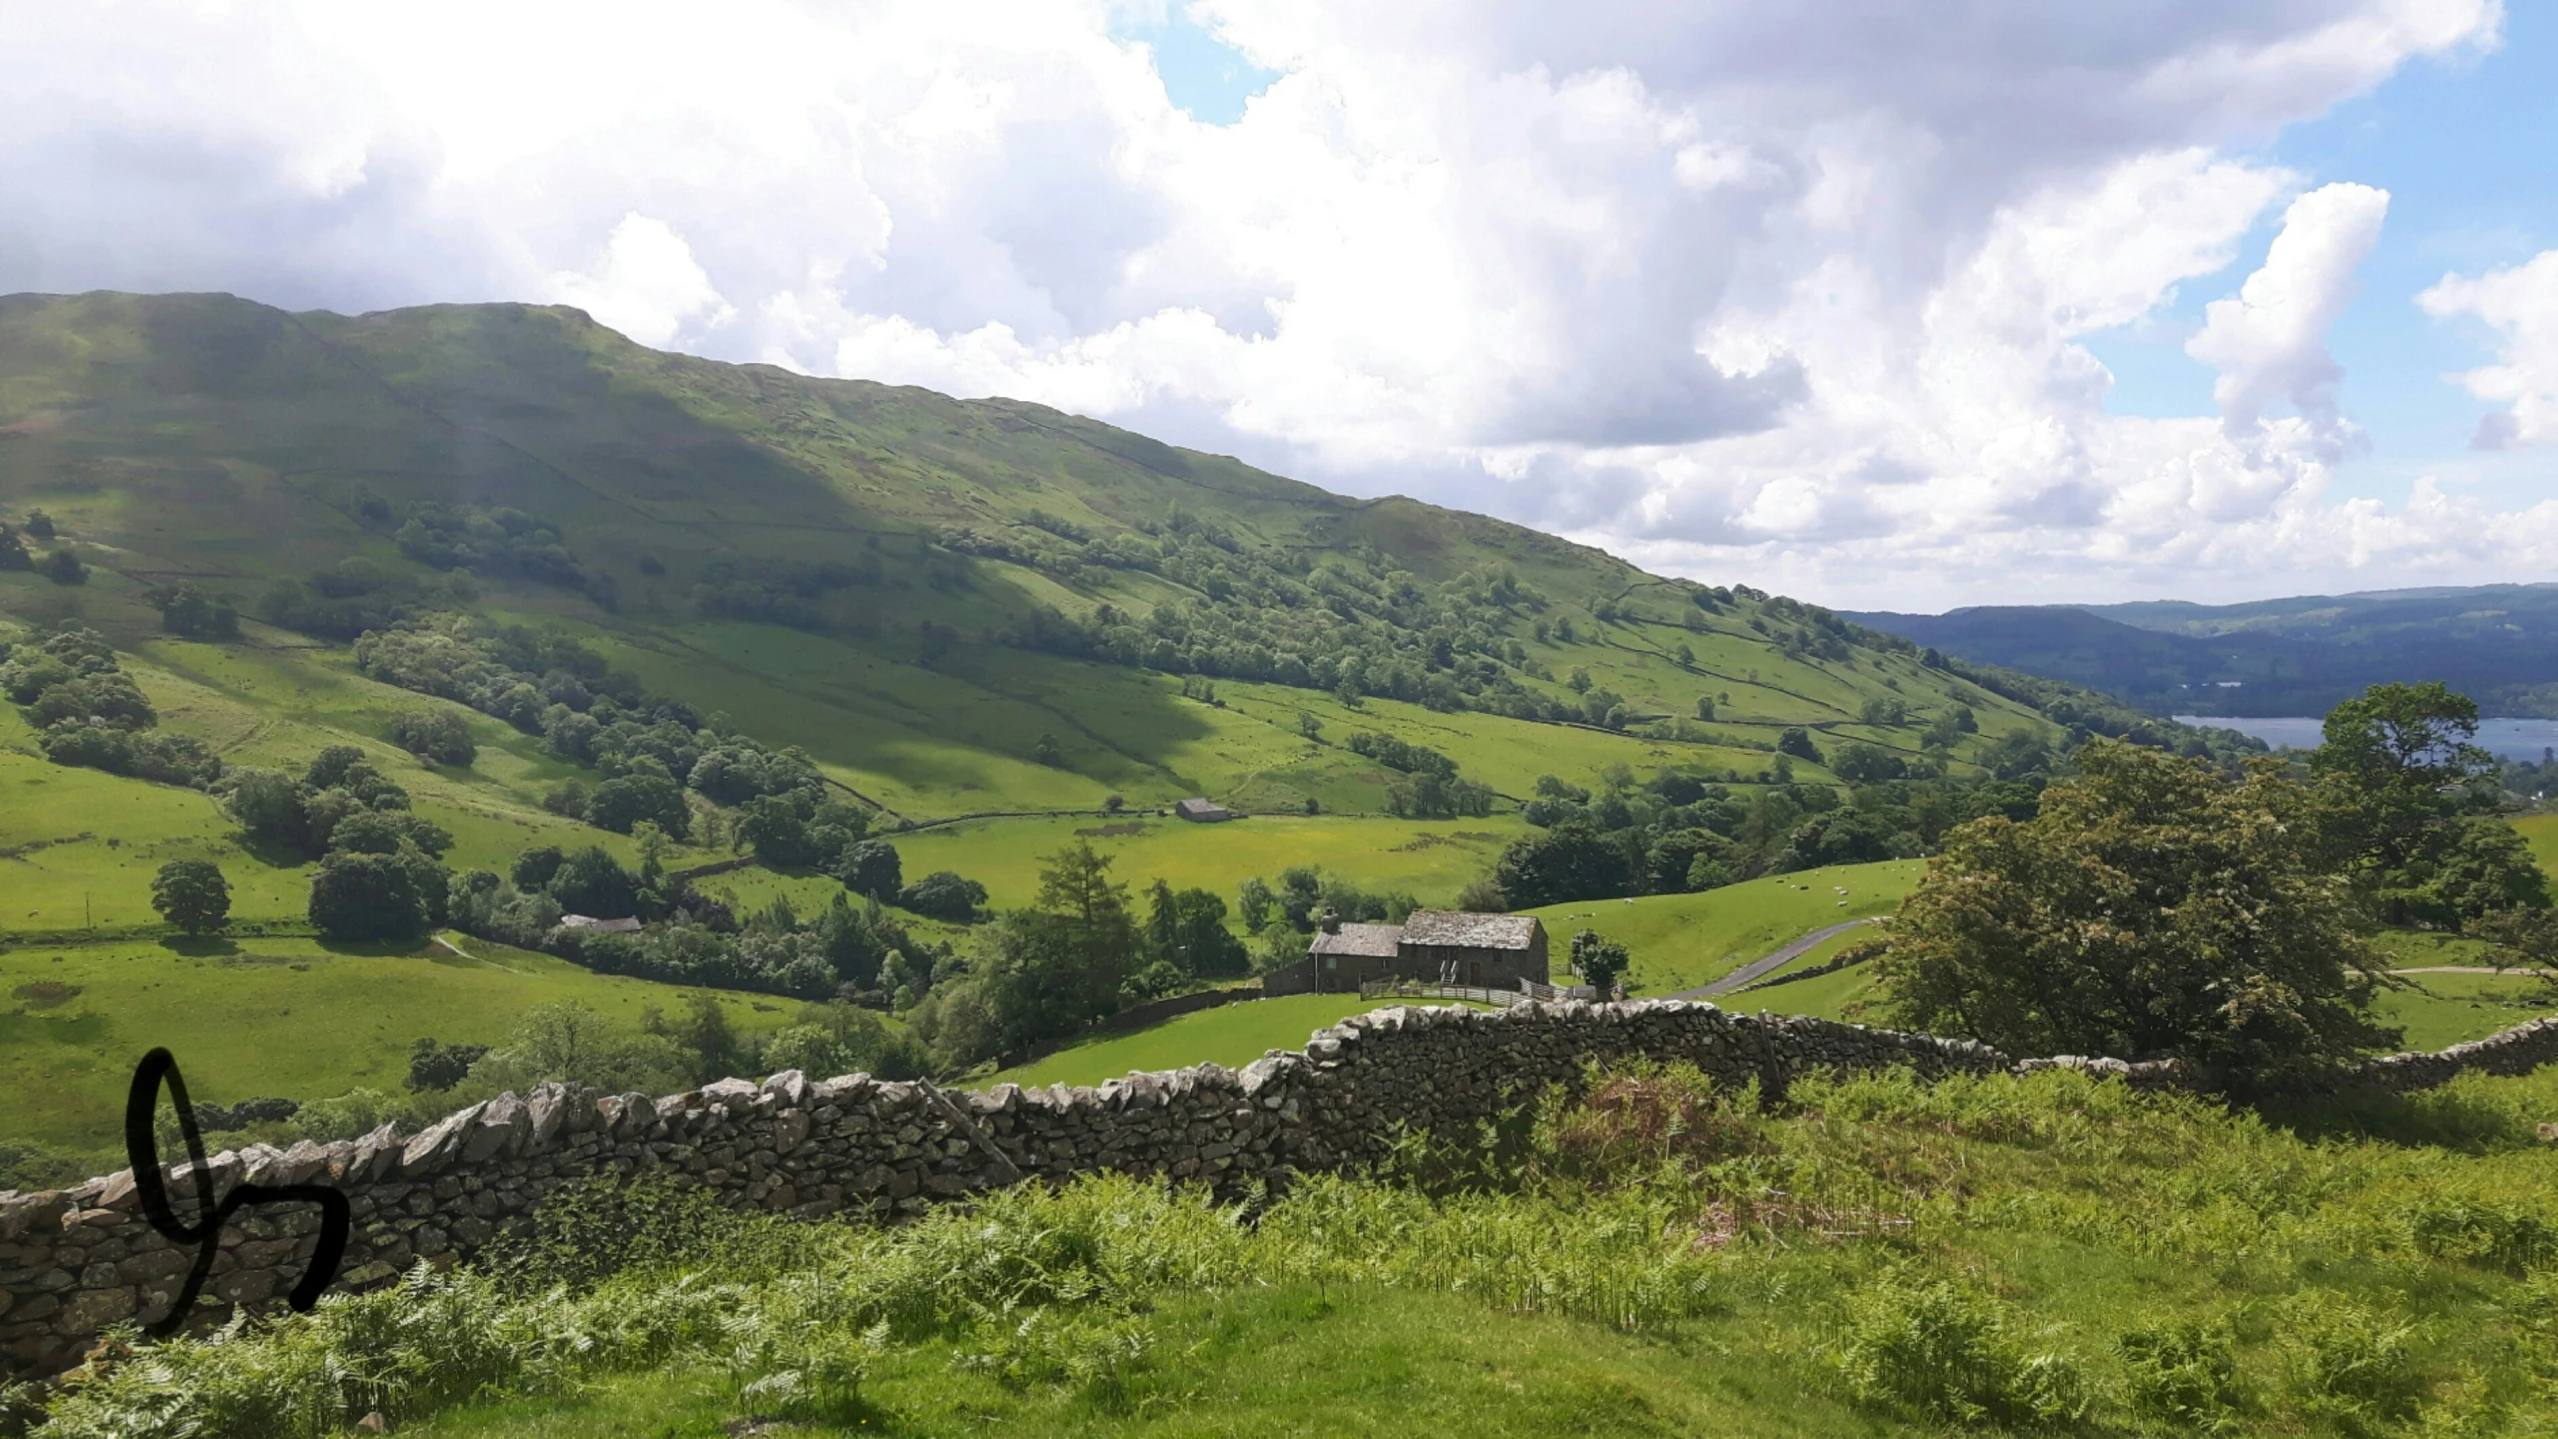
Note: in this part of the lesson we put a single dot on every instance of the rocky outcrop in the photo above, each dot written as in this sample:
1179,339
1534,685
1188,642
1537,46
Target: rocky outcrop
74,1261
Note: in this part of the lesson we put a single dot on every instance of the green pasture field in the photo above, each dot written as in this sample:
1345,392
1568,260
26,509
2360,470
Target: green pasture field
1431,859
1682,940
2447,1009
252,1016
2540,831
1233,1035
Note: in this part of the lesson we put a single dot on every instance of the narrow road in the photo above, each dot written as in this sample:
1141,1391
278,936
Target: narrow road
1758,968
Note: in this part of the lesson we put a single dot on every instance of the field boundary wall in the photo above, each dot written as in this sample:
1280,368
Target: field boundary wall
75,1261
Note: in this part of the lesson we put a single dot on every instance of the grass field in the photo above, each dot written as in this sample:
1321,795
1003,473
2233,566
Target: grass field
286,1017
1682,940
2540,831
1233,1035
1431,859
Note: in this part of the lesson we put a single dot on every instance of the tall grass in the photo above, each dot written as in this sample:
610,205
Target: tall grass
2338,1278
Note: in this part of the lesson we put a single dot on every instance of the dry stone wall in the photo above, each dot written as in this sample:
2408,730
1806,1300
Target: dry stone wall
74,1261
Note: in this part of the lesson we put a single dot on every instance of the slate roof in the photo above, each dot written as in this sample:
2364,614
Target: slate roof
1459,930
1202,809
604,926
1368,941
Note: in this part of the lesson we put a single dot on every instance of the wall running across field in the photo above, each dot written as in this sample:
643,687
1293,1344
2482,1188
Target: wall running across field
74,1261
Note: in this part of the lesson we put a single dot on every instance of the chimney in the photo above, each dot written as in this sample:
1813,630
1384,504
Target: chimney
1331,921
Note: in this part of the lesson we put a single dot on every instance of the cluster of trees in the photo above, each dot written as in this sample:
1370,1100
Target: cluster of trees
191,614
89,713
1077,954
60,564
781,592
356,595
1279,917
501,541
1427,785
651,751
1678,834
2159,906
381,874
437,736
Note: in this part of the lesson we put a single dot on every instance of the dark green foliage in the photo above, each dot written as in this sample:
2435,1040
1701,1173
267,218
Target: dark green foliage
383,831
372,896
111,698
781,592
592,882
702,1034
93,715
190,613
1860,763
438,735
2401,779
945,895
1598,960
534,867
1844,836
434,1066
40,524
1570,861
1047,751
620,804
871,868
13,551
62,567
1797,742
356,595
490,542
268,805
1047,971
2153,908
165,759
193,895
1186,929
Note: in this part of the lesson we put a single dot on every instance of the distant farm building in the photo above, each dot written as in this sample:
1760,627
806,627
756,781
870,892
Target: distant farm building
599,926
1431,946
1202,811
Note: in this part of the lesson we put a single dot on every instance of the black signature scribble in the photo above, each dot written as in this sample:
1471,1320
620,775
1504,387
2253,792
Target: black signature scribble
142,1147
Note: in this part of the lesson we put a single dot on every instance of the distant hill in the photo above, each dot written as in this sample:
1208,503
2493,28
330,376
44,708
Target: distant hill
2299,656
952,606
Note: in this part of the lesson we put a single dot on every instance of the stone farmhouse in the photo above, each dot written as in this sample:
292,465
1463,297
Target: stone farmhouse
1431,946
1201,810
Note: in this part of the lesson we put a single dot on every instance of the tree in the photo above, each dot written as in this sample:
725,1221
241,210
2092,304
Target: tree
435,735
1047,751
1797,742
40,524
1482,896
1861,763
2153,908
13,551
771,827
63,568
2398,771
1570,861
1598,960
1187,930
619,804
593,883
943,894
268,805
871,868
190,613
368,896
193,895
1255,904
434,1066
1705,707
1842,836
702,1032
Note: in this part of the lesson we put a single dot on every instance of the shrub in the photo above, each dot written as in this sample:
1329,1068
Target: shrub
369,896
437,735
1929,1348
2345,1360
2183,1377
434,1066
943,894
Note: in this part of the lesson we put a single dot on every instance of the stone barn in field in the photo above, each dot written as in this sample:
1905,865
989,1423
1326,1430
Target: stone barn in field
1431,946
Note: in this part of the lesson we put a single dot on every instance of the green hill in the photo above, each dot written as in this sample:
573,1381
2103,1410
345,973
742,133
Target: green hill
915,589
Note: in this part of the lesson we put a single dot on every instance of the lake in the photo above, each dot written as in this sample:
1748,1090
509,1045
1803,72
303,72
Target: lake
2522,739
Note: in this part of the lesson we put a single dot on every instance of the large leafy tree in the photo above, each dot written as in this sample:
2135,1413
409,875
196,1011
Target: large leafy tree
2154,908
371,896
193,895
1570,861
2407,793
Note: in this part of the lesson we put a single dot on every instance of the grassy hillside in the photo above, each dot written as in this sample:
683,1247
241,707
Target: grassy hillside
1875,1256
235,446
1679,941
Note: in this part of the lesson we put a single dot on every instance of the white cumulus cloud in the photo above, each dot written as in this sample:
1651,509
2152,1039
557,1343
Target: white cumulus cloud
2521,304
1798,294
2269,341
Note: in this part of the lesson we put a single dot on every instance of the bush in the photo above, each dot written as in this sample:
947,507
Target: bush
943,894
2344,1360
436,735
434,1066
1937,1351
370,896
2183,1376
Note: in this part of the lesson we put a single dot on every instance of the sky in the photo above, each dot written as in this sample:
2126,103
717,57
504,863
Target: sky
1887,305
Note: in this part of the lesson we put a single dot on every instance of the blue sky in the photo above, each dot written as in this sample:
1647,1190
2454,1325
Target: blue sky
2468,150
1208,79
